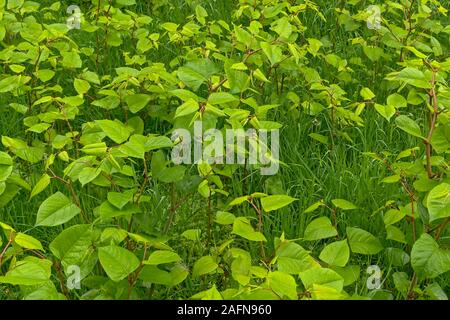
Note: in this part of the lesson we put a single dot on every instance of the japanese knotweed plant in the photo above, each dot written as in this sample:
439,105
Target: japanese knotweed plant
100,104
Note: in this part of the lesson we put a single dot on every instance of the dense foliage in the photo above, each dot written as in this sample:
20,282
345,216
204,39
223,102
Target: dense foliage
88,192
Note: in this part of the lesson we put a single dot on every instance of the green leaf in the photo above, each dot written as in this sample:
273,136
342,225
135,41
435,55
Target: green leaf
210,294
108,103
71,60
117,262
397,101
221,98
409,126
438,202
293,258
243,228
72,245
319,228
393,216
336,253
115,130
276,202
273,52
343,204
414,77
119,200
137,102
282,284
363,242
224,218
204,265
441,138
394,233
314,207
56,210
427,259
367,94
81,86
191,78
6,167
385,111
318,137
322,276
162,256
28,273
28,242
187,108
108,211
87,175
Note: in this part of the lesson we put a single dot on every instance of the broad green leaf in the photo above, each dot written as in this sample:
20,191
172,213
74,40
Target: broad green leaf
119,200
221,98
427,259
243,228
56,210
276,202
162,256
273,52
397,101
322,276
115,130
282,284
319,228
393,216
367,94
108,211
343,204
385,111
438,202
108,103
363,242
81,86
137,102
187,108
336,253
314,207
71,60
28,242
394,233
203,266
409,126
293,258
210,294
28,273
72,245
117,262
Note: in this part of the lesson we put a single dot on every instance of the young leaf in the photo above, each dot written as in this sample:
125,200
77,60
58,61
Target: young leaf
40,185
343,204
276,202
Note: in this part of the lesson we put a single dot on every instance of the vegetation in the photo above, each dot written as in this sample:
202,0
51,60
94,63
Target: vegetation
93,207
